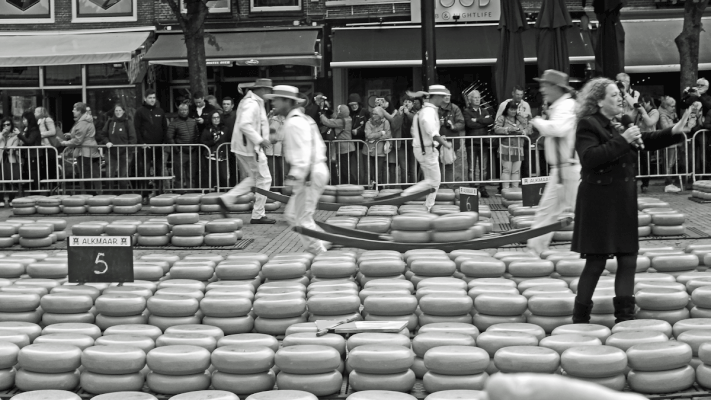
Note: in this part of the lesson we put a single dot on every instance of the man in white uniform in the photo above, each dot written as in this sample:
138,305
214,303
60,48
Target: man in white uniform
306,154
250,138
559,133
425,132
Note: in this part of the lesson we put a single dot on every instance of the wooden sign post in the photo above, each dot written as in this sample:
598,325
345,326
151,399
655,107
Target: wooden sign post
532,190
100,259
468,199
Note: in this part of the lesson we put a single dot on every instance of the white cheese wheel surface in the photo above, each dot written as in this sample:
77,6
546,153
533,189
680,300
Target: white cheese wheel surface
178,360
423,342
501,304
434,382
380,359
243,384
250,340
660,356
323,384
29,381
49,358
625,340
402,382
456,360
243,359
170,384
669,381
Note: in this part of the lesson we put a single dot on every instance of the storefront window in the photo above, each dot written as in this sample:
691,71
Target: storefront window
20,104
182,73
106,74
19,77
240,72
102,101
291,70
62,75
274,5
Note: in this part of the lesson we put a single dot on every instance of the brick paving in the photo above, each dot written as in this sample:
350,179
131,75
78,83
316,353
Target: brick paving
278,238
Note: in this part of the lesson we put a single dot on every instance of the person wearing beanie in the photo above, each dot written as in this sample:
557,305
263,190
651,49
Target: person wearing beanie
360,117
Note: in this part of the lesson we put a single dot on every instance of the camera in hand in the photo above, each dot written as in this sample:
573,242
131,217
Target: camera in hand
620,86
690,91
637,105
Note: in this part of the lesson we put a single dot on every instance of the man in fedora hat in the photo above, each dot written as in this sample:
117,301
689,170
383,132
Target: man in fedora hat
425,132
305,152
249,139
559,133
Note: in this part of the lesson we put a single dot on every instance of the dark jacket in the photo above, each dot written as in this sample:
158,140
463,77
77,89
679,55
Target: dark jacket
31,138
117,131
452,113
704,99
182,131
359,117
213,137
206,115
606,206
228,122
151,124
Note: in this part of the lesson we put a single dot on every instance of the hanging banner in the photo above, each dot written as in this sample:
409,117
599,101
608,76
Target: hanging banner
460,11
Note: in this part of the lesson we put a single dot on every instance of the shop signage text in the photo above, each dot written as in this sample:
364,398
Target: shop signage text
449,11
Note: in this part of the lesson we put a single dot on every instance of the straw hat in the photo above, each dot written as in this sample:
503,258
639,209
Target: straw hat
286,92
434,90
556,78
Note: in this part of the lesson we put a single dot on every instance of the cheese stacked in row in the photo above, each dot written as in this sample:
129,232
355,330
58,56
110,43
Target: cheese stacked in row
703,370
512,196
381,366
455,368
121,308
8,232
310,368
521,267
174,305
378,219
343,221
349,194
329,194
665,221
390,300
152,267
660,367
428,263
568,265
243,370
178,369
37,234
381,264
75,204
700,297
668,302
114,368
153,233
494,289
702,190
333,294
473,264
412,228
279,305
443,300
427,339
68,306
25,205
550,304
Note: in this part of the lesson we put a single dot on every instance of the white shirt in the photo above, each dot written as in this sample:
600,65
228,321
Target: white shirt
250,124
428,117
303,145
559,131
524,109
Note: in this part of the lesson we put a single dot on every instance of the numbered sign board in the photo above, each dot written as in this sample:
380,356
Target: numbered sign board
468,199
100,259
532,190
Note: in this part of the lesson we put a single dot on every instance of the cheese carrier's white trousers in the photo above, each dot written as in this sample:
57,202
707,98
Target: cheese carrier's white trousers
556,199
300,209
430,169
258,171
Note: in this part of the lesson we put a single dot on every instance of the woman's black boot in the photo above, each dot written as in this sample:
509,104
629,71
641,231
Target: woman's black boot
581,312
624,308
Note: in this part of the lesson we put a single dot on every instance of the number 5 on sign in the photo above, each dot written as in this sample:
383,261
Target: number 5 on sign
100,259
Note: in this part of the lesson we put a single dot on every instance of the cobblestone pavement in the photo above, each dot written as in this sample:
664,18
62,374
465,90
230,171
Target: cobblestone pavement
278,238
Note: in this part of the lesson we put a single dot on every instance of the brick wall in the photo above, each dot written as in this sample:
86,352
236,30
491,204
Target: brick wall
63,19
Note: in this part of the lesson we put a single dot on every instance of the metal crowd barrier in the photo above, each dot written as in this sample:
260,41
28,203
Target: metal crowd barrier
669,162
700,160
22,169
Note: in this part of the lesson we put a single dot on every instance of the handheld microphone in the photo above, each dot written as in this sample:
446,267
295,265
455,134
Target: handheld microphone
627,123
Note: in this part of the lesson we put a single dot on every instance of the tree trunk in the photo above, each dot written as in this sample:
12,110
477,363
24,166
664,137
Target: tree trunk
688,41
193,25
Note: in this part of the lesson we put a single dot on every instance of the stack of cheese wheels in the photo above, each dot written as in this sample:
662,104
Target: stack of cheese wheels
349,194
223,232
243,370
187,230
444,209
309,368
209,202
352,211
153,234
329,194
279,305
56,268
455,368
664,303
343,221
699,250
511,196
89,228
8,359
444,304
110,369
8,236
473,264
100,204
20,306
531,359
188,203
666,222
426,340
229,311
375,224
127,203
701,190
604,365
242,269
335,267
290,267
67,308
242,203
384,264
192,334
568,267
167,310
389,305
178,369
195,268
674,264
523,269
661,367
700,298
60,226
120,309
37,235
74,204
123,228
49,205
445,196
498,307
644,224
424,264
550,310
24,206
381,367
48,367
703,370
412,228
456,227
137,335
163,204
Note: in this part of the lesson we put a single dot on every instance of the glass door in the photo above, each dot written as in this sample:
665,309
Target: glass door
60,103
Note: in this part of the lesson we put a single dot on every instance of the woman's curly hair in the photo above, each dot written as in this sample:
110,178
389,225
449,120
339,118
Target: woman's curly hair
592,92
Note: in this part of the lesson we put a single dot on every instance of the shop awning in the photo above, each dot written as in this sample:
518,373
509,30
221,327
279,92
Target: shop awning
456,45
293,47
69,49
650,47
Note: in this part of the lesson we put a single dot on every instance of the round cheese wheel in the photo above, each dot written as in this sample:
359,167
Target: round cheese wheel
135,330
282,395
51,318
552,304
153,229
390,304
661,299
171,384
178,360
423,342
18,302
37,231
144,343
531,329
163,240
625,340
432,267
105,321
381,359
491,342
285,270
680,326
100,209
413,222
382,267
49,358
446,305
226,306
456,360
189,230
322,384
644,325
659,230
660,356
334,341
594,361
243,384
36,242
482,267
671,316
680,262
411,236
243,360
120,305
162,209
501,304
333,304
74,210
183,218
457,395
402,382
100,383
434,382
276,326
387,339
231,325
172,306
66,303
8,355
126,199
701,297
113,360
271,307
9,269
30,381
668,219
694,338
250,340
78,328
668,381
193,339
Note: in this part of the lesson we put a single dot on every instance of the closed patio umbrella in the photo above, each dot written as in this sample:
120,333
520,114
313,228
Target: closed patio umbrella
551,36
509,63
610,48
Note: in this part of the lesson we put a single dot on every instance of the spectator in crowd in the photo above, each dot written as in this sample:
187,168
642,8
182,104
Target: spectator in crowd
119,129
200,111
30,136
82,139
646,117
360,117
48,131
184,130
477,121
410,165
275,153
667,119
511,149
342,154
316,108
376,128
395,157
451,122
629,96
213,136
9,166
524,109
699,93
228,116
212,102
151,126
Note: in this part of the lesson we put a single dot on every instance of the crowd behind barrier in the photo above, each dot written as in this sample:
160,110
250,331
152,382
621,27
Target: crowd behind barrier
383,163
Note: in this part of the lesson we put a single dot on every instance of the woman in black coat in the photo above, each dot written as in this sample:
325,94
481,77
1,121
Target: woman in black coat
31,136
606,207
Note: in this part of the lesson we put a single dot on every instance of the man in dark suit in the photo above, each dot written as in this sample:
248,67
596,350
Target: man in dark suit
200,111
